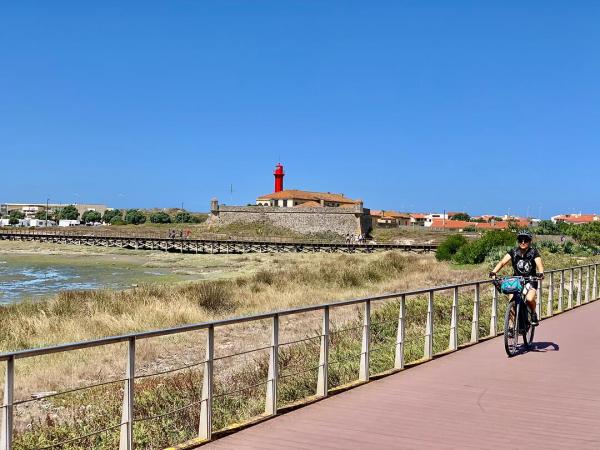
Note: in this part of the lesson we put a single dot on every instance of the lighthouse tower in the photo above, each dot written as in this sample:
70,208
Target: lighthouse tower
278,177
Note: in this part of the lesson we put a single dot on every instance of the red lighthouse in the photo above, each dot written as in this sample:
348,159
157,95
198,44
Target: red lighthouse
278,177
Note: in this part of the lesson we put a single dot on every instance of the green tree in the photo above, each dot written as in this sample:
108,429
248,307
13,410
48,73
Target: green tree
41,214
461,216
184,217
160,217
134,217
116,220
91,217
110,214
16,214
68,213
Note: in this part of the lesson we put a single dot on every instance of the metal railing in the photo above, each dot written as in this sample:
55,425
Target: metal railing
556,281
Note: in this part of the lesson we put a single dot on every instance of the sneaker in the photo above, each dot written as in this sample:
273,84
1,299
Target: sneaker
534,319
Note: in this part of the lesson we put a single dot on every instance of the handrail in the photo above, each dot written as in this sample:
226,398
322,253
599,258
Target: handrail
19,354
431,333
207,240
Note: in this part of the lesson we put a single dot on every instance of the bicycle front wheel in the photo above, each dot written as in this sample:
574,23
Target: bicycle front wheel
529,330
511,329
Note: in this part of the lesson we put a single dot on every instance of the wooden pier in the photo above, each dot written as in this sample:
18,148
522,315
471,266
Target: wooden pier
210,246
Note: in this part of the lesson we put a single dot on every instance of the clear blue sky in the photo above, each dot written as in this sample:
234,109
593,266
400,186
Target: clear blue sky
422,105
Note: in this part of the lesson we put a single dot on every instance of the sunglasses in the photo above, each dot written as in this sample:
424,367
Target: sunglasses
524,241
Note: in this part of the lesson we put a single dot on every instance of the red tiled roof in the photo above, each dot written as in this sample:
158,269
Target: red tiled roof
306,195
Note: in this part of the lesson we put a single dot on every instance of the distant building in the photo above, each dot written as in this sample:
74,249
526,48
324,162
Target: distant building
575,219
290,198
389,218
31,209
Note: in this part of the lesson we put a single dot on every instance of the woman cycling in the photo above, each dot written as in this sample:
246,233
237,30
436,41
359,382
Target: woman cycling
526,262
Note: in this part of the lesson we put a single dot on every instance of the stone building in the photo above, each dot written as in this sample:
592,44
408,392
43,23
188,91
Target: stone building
353,219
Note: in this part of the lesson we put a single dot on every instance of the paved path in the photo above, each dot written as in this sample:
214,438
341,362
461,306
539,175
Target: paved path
474,398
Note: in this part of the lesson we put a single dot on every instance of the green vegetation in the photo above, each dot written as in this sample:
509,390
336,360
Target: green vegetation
91,217
494,244
69,212
160,217
41,215
14,216
586,234
112,214
134,217
461,216
448,248
461,251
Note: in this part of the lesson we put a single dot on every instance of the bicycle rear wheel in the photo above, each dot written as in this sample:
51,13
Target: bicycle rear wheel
511,329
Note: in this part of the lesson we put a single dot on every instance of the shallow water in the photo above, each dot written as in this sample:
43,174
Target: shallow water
34,277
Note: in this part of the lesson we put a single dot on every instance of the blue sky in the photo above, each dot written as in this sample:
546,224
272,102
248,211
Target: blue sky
409,105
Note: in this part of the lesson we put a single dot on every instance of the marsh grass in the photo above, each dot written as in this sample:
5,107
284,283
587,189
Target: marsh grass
239,383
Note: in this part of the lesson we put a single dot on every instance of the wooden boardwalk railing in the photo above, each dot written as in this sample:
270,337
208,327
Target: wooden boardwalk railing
200,245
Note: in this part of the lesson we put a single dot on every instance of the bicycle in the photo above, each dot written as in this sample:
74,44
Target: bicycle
517,318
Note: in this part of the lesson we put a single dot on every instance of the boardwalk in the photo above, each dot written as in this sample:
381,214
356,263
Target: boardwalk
210,246
474,398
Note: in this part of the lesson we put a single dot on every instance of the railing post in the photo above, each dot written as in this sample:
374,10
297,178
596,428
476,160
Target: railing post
571,289
587,284
494,314
550,305
363,374
271,398
579,277
205,428
399,357
428,348
540,299
126,441
475,321
6,429
595,283
323,376
561,292
453,345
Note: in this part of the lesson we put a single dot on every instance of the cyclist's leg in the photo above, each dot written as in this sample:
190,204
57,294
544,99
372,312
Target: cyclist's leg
531,303
531,299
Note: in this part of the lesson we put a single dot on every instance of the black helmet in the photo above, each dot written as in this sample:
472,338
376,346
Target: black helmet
524,235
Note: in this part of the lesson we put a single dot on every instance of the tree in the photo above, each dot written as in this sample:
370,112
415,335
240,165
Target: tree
160,217
134,217
117,220
91,217
184,217
461,216
68,213
41,214
111,214
16,214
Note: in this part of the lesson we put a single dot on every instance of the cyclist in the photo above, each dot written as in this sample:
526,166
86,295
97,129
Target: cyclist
526,262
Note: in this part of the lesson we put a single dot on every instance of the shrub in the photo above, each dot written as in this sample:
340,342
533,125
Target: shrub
91,216
447,249
109,214
135,217
160,217
475,252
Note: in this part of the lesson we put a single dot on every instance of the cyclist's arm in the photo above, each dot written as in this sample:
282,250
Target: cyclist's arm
504,261
538,265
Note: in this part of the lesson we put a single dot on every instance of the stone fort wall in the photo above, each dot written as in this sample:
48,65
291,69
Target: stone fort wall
303,220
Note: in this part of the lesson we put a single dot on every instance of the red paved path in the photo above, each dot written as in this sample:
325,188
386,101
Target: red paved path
474,398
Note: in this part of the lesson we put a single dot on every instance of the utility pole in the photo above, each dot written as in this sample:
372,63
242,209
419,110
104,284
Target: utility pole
47,200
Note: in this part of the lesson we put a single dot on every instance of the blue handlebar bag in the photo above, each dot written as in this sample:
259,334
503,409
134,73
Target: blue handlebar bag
511,286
